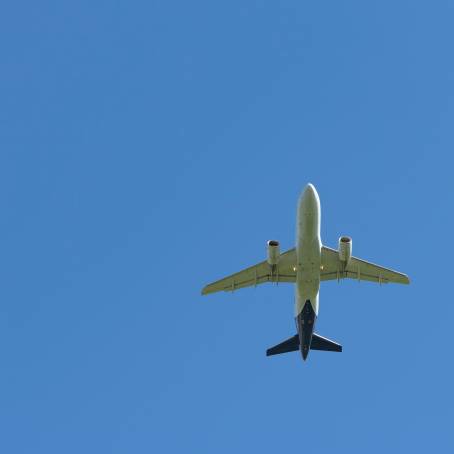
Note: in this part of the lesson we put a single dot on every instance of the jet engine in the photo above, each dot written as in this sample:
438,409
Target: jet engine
345,249
273,252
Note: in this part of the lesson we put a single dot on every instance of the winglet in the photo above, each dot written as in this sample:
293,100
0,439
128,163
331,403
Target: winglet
404,279
208,289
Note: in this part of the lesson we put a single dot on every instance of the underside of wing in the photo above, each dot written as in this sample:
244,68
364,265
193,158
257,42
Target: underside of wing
358,269
284,271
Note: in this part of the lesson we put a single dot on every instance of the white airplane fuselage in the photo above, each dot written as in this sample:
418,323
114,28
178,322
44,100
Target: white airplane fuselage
308,253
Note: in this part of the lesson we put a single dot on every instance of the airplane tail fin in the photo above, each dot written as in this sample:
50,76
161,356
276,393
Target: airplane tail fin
293,344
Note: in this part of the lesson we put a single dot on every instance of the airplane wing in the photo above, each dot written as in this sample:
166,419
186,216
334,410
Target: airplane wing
284,271
357,269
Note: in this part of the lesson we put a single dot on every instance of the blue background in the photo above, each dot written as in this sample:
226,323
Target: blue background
148,148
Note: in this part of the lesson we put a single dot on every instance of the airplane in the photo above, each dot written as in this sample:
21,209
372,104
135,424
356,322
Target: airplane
306,265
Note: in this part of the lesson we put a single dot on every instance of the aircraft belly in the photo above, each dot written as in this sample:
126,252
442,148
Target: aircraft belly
308,275
308,251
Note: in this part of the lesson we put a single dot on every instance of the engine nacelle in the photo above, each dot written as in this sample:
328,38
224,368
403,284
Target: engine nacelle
345,249
273,252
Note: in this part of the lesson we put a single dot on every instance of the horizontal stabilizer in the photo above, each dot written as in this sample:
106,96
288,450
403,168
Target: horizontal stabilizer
289,345
293,345
322,343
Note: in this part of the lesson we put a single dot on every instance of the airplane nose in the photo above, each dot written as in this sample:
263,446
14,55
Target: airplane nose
310,190
309,201
310,194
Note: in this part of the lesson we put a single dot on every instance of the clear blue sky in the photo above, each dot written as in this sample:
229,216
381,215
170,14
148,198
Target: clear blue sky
148,148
